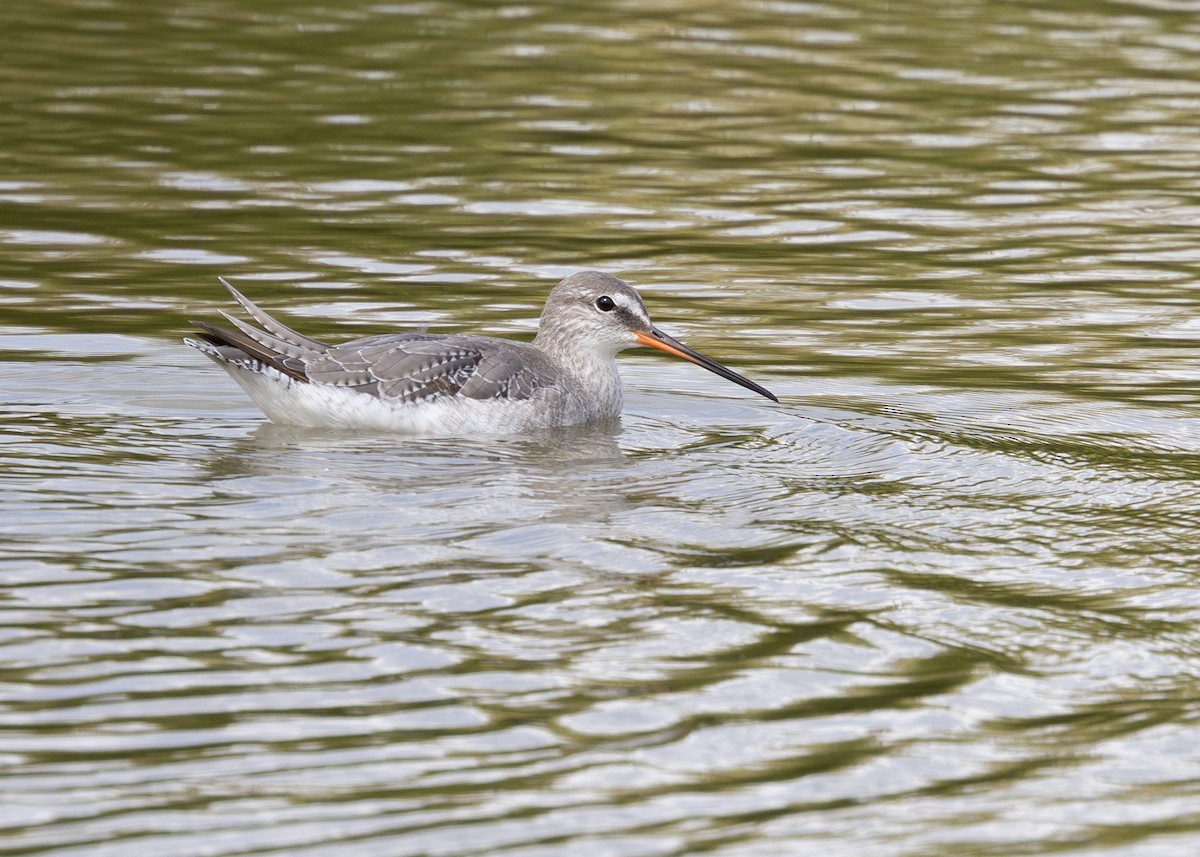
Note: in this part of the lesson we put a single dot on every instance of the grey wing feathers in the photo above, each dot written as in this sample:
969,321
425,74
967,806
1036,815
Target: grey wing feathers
408,367
405,367
417,367
503,375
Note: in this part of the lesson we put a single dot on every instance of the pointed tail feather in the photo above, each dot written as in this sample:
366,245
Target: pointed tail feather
281,331
280,346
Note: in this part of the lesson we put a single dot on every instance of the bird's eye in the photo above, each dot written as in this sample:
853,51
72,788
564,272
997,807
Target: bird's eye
605,304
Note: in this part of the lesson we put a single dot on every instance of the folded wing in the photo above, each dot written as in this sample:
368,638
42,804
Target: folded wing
404,367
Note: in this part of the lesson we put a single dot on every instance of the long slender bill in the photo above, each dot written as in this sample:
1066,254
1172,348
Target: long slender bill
657,339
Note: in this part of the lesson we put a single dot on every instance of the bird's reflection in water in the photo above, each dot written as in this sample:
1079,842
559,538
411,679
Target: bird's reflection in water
423,465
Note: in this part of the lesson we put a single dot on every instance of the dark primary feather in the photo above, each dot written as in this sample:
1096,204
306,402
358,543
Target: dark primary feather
404,367
237,339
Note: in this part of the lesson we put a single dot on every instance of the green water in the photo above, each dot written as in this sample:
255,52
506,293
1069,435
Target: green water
940,600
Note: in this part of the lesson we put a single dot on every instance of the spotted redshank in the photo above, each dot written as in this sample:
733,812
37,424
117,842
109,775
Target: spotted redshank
425,383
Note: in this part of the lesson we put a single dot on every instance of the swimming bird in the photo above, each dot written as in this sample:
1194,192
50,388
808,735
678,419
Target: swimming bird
426,383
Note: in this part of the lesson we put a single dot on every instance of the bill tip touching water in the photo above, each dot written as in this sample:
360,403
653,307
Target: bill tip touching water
451,383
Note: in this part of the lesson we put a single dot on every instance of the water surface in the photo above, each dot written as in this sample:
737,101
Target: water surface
940,600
